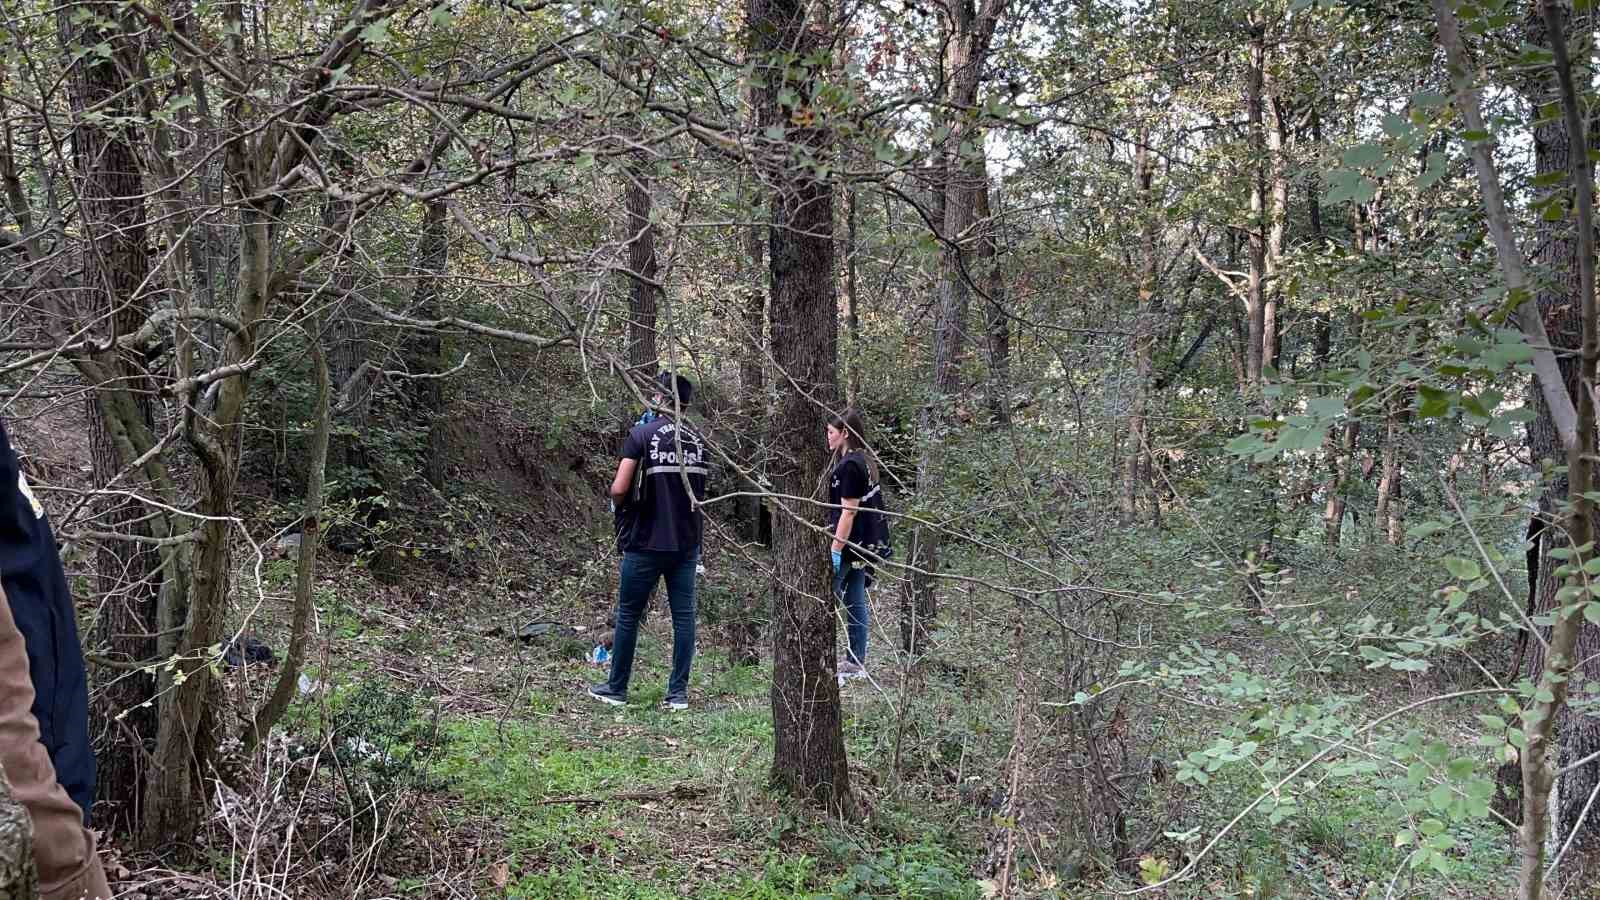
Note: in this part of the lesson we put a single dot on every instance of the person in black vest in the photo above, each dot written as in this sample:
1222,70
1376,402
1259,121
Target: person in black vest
660,482
856,522
35,585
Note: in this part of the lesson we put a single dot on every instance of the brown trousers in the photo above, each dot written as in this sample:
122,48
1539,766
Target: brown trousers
63,850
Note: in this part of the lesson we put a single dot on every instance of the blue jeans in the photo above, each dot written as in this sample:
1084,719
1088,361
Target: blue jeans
850,585
640,572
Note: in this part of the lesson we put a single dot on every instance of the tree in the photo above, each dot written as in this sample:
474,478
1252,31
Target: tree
808,757
115,293
1571,417
1560,305
640,240
969,31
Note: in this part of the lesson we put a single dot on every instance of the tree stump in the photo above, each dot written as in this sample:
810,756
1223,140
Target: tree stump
18,880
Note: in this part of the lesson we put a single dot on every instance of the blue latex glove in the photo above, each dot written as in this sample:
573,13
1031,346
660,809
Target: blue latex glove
838,560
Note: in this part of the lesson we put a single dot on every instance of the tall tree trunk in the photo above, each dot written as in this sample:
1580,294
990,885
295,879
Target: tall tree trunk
970,32
188,734
1573,420
852,316
1394,525
116,291
1557,253
997,325
286,685
1277,224
1340,446
1389,479
426,349
642,269
1148,306
1255,298
1340,456
745,636
808,757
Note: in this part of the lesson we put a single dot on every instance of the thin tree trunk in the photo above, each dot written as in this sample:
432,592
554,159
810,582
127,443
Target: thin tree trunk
997,325
808,758
1277,223
852,310
426,349
1255,299
1148,306
1340,457
273,708
1394,525
970,31
1389,479
745,636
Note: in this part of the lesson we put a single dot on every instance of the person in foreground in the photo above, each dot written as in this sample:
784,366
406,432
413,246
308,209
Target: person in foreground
855,517
657,491
45,752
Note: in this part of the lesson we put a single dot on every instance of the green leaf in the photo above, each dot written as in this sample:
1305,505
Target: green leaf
1432,402
1435,170
1364,155
1326,407
1440,797
1425,530
376,33
1462,568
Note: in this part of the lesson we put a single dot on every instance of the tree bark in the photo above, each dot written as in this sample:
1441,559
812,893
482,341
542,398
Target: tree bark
1148,305
970,31
808,741
115,290
425,351
1277,225
997,325
1387,514
1255,299
745,637
1340,456
642,269
1562,312
273,708
1573,420
852,316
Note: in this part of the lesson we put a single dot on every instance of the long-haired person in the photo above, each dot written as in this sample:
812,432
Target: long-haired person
855,514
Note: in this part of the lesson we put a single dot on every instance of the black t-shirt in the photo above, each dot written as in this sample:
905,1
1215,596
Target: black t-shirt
658,515
852,481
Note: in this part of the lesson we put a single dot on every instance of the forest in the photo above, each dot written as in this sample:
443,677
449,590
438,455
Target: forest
1229,368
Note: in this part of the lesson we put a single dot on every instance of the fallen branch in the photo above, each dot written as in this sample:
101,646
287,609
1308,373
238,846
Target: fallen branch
677,792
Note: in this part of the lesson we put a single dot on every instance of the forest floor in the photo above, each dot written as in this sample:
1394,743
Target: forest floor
431,753
491,773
